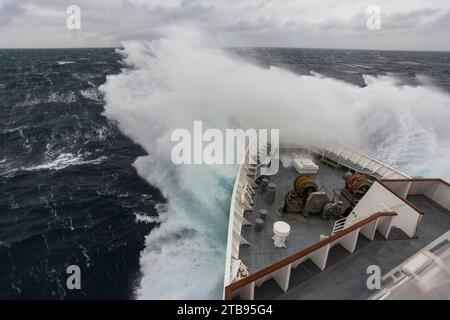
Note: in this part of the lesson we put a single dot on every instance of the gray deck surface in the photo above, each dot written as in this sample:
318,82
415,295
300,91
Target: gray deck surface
345,275
304,231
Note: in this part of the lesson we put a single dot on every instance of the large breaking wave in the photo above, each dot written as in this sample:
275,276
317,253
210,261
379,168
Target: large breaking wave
171,82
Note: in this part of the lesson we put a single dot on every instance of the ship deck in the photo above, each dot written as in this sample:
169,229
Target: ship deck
304,232
345,275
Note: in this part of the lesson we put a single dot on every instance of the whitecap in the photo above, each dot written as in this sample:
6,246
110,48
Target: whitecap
363,66
142,217
68,97
29,101
5,244
63,161
61,63
91,94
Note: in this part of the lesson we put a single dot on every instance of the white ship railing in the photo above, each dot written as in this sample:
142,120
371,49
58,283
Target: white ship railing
435,189
239,202
348,221
242,200
360,159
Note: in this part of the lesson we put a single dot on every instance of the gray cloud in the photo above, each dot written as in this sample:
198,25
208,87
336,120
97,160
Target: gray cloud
410,20
231,22
8,11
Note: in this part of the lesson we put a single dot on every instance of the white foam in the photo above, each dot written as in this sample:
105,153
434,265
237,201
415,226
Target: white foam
5,244
62,161
92,94
141,217
54,97
65,160
177,80
68,97
29,101
61,63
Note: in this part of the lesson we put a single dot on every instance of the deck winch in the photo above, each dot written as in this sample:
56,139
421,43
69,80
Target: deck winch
304,185
308,200
356,186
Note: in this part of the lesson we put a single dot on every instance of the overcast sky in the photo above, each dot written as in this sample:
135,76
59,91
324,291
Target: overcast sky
405,24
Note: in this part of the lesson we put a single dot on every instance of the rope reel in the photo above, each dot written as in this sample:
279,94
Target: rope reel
304,185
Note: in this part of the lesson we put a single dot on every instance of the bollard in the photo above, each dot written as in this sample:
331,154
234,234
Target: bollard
270,196
263,214
259,224
263,186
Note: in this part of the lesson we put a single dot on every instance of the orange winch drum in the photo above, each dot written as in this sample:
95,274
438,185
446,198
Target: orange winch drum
305,185
357,183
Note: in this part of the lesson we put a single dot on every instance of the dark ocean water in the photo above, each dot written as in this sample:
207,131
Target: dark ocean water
68,191
350,65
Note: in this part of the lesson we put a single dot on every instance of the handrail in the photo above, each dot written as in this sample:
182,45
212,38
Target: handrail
233,208
230,226
232,213
382,182
417,180
340,224
264,163
361,154
286,261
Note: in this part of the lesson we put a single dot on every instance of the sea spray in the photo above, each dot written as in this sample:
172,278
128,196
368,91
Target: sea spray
176,80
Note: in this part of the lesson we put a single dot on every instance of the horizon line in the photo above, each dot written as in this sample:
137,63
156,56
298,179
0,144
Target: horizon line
233,47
